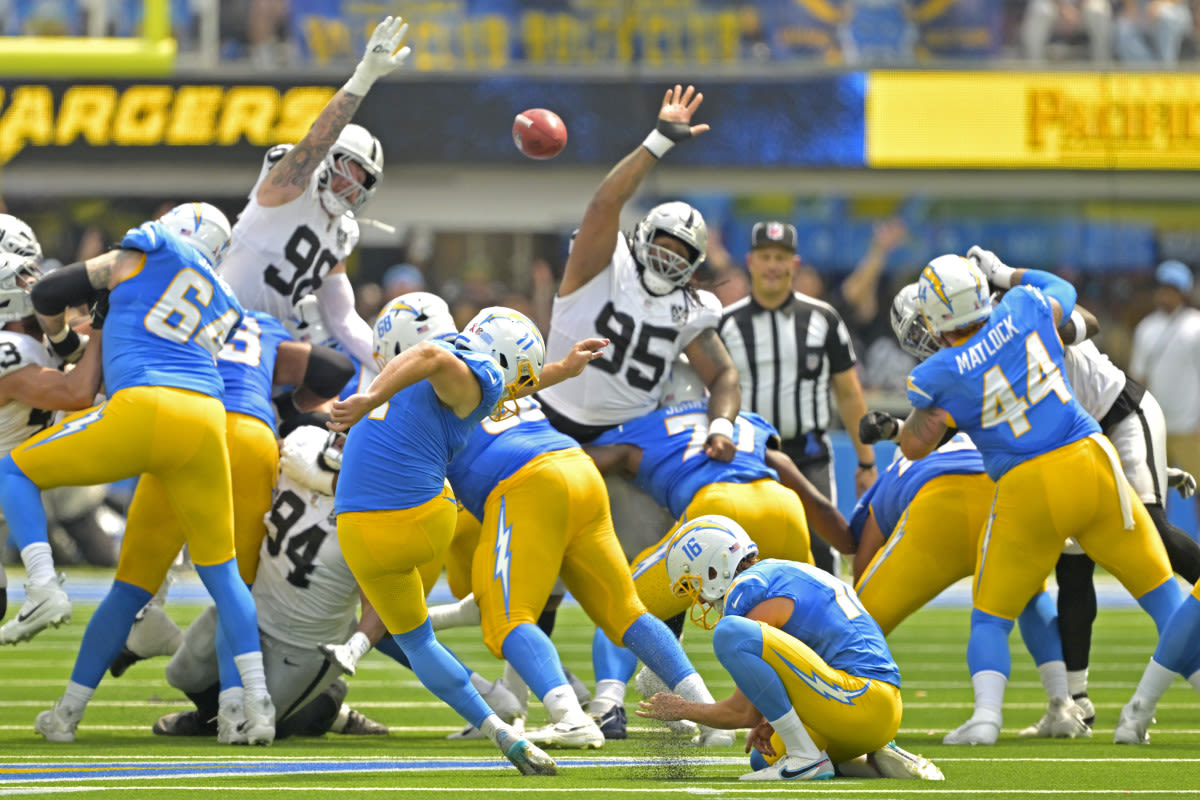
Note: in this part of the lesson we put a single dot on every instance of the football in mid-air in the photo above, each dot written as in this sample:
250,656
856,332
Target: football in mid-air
539,133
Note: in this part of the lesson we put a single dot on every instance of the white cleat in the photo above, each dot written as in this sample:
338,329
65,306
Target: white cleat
340,656
1134,725
649,684
259,727
714,737
891,761
46,605
794,768
580,736
58,724
528,758
506,705
974,731
231,723
1063,720
1085,705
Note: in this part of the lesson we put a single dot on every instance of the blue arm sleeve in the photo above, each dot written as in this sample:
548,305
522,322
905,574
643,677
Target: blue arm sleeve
1052,286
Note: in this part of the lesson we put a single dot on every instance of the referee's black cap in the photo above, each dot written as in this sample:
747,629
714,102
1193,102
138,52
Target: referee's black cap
773,234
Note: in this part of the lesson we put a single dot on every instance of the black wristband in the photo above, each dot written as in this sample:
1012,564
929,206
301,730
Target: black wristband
861,465
68,345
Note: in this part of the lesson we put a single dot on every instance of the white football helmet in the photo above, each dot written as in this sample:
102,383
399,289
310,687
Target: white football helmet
17,237
306,324
18,274
513,342
952,292
909,325
703,561
662,270
410,319
683,384
355,143
201,225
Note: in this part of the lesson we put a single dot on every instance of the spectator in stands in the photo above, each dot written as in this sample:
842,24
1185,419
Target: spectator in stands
1152,30
401,279
1166,358
1069,21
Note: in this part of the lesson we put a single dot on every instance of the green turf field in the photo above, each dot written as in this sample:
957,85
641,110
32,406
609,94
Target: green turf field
116,754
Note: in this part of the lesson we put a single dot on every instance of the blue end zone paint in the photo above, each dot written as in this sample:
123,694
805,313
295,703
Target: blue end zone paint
124,770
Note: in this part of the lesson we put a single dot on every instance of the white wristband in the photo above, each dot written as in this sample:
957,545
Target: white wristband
721,427
1002,276
359,83
658,144
1080,327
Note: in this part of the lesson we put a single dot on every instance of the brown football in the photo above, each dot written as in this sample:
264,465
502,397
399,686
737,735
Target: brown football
539,133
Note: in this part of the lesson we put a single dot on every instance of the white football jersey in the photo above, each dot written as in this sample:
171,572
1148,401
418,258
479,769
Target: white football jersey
18,421
304,591
278,255
646,332
1096,381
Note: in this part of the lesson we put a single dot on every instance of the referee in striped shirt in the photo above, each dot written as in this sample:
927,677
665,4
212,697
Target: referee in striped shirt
791,351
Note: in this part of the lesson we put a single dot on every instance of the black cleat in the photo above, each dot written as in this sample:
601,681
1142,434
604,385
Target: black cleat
360,725
184,723
124,660
612,724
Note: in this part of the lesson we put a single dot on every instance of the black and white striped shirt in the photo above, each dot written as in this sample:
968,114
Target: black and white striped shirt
785,358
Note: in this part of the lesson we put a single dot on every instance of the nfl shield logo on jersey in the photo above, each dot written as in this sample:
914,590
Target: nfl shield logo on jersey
679,314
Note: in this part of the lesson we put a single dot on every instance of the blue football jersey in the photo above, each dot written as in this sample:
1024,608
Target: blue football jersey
167,322
827,617
247,365
1004,387
495,450
674,466
396,457
898,485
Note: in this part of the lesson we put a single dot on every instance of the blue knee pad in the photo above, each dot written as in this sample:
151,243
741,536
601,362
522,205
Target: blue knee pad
107,631
21,502
609,662
533,656
988,647
738,643
652,641
441,673
1039,629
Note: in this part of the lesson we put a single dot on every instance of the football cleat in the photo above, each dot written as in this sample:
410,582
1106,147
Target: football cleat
683,727
58,724
974,731
231,720
613,723
153,634
526,757
649,684
713,737
184,723
1063,720
259,725
46,605
1133,727
584,735
358,724
794,768
891,761
1089,710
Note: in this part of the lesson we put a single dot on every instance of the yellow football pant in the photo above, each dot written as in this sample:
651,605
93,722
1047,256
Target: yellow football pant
551,517
771,513
384,549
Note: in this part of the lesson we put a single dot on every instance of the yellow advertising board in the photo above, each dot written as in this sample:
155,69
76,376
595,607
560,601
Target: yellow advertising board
1033,120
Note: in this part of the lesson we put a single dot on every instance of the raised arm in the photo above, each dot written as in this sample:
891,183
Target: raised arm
569,366
593,247
288,179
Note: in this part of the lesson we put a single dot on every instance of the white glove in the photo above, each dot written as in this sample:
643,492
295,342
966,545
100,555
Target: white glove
302,459
996,271
1181,481
381,56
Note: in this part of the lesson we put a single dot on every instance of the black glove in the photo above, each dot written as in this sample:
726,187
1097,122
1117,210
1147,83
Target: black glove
675,131
99,309
69,348
876,426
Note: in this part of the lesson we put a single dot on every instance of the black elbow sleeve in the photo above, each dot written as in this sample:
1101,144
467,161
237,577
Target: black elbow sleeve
64,287
328,371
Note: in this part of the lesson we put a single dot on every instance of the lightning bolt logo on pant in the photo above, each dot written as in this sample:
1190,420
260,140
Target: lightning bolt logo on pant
503,552
822,686
74,426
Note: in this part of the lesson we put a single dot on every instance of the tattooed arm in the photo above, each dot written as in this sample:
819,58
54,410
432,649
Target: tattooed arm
78,284
922,431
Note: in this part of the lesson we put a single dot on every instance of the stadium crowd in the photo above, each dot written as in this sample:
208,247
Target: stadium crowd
323,469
